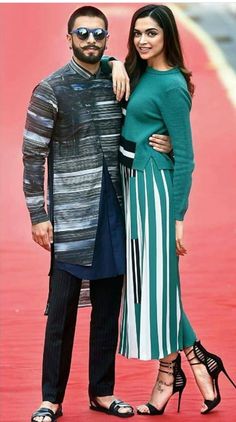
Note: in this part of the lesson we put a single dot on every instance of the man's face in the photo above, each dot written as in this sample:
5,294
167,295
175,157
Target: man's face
88,50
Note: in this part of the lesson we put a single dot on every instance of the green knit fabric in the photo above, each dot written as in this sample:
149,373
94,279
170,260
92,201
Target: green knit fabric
161,104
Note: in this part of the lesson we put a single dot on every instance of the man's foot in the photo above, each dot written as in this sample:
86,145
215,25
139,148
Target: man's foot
106,401
55,408
203,379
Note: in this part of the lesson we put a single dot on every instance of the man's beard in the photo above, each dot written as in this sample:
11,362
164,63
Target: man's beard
80,55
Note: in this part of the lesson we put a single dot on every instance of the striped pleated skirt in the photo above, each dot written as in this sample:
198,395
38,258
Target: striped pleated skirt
153,322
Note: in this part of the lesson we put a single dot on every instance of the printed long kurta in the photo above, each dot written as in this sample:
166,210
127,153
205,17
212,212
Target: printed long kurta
73,123
155,195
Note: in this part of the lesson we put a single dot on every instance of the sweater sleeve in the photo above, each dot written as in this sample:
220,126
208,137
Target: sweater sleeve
175,109
39,125
105,67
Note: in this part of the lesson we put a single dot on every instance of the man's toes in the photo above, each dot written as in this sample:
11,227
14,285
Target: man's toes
126,409
37,419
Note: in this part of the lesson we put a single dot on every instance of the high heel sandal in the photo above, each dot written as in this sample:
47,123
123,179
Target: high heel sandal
178,385
214,366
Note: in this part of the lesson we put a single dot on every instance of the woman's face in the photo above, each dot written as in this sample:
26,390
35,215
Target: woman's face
149,40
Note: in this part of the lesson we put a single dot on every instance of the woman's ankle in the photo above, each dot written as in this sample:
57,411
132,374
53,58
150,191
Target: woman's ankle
169,358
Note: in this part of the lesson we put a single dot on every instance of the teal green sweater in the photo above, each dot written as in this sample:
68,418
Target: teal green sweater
161,104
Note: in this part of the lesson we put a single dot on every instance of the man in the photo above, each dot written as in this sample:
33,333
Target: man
73,122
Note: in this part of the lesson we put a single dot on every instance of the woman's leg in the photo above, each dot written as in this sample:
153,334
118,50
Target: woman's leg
170,379
202,377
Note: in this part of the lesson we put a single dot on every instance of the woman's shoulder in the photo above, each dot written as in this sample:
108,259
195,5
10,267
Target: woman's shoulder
178,80
167,79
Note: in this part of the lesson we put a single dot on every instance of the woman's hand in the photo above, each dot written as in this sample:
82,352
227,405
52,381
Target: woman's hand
179,235
160,143
120,79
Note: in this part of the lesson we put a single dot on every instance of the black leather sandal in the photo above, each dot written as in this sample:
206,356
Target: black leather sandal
113,409
44,411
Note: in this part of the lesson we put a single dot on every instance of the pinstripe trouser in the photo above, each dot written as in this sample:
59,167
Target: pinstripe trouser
105,295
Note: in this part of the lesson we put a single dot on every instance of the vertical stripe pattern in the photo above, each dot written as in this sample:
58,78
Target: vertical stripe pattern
151,317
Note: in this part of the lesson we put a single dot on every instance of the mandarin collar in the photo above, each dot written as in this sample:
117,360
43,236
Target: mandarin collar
84,72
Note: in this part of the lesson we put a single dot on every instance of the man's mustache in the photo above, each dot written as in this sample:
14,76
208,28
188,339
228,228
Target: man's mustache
94,47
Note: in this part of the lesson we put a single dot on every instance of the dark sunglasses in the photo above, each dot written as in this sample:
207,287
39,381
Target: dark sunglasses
83,33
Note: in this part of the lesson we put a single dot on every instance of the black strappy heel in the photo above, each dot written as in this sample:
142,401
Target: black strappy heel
214,366
178,385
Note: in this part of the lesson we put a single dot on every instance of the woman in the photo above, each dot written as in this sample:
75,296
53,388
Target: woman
156,190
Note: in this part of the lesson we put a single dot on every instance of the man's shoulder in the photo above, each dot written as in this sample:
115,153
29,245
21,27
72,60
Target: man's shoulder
58,74
47,86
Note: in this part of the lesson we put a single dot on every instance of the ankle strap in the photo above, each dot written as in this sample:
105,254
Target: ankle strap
166,372
194,357
167,365
190,351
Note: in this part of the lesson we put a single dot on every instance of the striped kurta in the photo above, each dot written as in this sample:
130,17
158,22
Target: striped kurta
73,123
155,196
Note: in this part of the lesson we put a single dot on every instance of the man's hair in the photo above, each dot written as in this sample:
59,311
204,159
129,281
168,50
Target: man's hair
86,11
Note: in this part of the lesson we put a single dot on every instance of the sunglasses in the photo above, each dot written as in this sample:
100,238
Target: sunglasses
83,33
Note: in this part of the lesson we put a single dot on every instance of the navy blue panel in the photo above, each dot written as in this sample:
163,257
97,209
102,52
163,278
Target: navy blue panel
109,252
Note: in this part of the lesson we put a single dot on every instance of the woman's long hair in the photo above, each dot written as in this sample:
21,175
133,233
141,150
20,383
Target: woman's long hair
165,19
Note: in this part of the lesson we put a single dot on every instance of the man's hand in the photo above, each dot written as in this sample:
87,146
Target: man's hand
160,143
179,235
42,234
120,79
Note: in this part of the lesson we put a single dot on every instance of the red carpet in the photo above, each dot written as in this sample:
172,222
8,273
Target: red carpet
33,45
